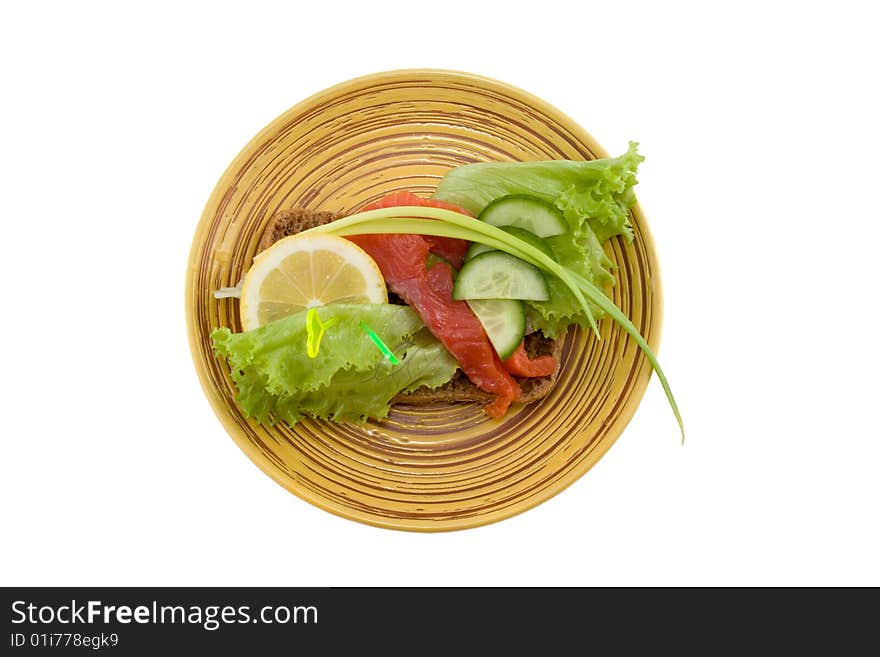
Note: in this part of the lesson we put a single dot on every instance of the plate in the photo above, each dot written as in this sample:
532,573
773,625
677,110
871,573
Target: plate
446,466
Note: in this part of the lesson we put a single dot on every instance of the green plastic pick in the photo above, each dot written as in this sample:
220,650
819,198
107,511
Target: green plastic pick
378,342
315,331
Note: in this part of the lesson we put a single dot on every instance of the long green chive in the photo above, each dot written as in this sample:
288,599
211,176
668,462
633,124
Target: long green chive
458,226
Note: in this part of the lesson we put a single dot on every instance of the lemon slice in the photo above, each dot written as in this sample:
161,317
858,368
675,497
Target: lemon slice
305,271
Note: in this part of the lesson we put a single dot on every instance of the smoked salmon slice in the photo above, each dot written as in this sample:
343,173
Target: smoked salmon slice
519,363
401,258
450,249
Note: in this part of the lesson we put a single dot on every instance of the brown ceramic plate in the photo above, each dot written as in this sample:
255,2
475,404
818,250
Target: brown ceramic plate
430,468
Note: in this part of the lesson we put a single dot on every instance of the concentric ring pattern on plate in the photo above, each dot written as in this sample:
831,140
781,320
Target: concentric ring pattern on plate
428,468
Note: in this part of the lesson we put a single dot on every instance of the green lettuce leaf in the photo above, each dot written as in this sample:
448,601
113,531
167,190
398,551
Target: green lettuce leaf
354,395
583,256
594,197
348,381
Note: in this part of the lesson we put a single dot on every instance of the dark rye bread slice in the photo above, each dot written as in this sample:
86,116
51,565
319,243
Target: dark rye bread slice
457,389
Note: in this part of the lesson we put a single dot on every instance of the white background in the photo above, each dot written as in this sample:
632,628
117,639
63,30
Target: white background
759,123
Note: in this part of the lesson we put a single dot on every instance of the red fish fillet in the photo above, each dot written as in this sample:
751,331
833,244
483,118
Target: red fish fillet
401,258
519,363
450,249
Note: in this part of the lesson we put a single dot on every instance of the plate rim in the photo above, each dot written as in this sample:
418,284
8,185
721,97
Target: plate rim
220,407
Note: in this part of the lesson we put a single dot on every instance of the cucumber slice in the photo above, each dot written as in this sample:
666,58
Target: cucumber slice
526,236
499,275
504,321
533,214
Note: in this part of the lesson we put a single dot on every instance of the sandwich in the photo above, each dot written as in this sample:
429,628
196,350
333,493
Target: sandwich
465,296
